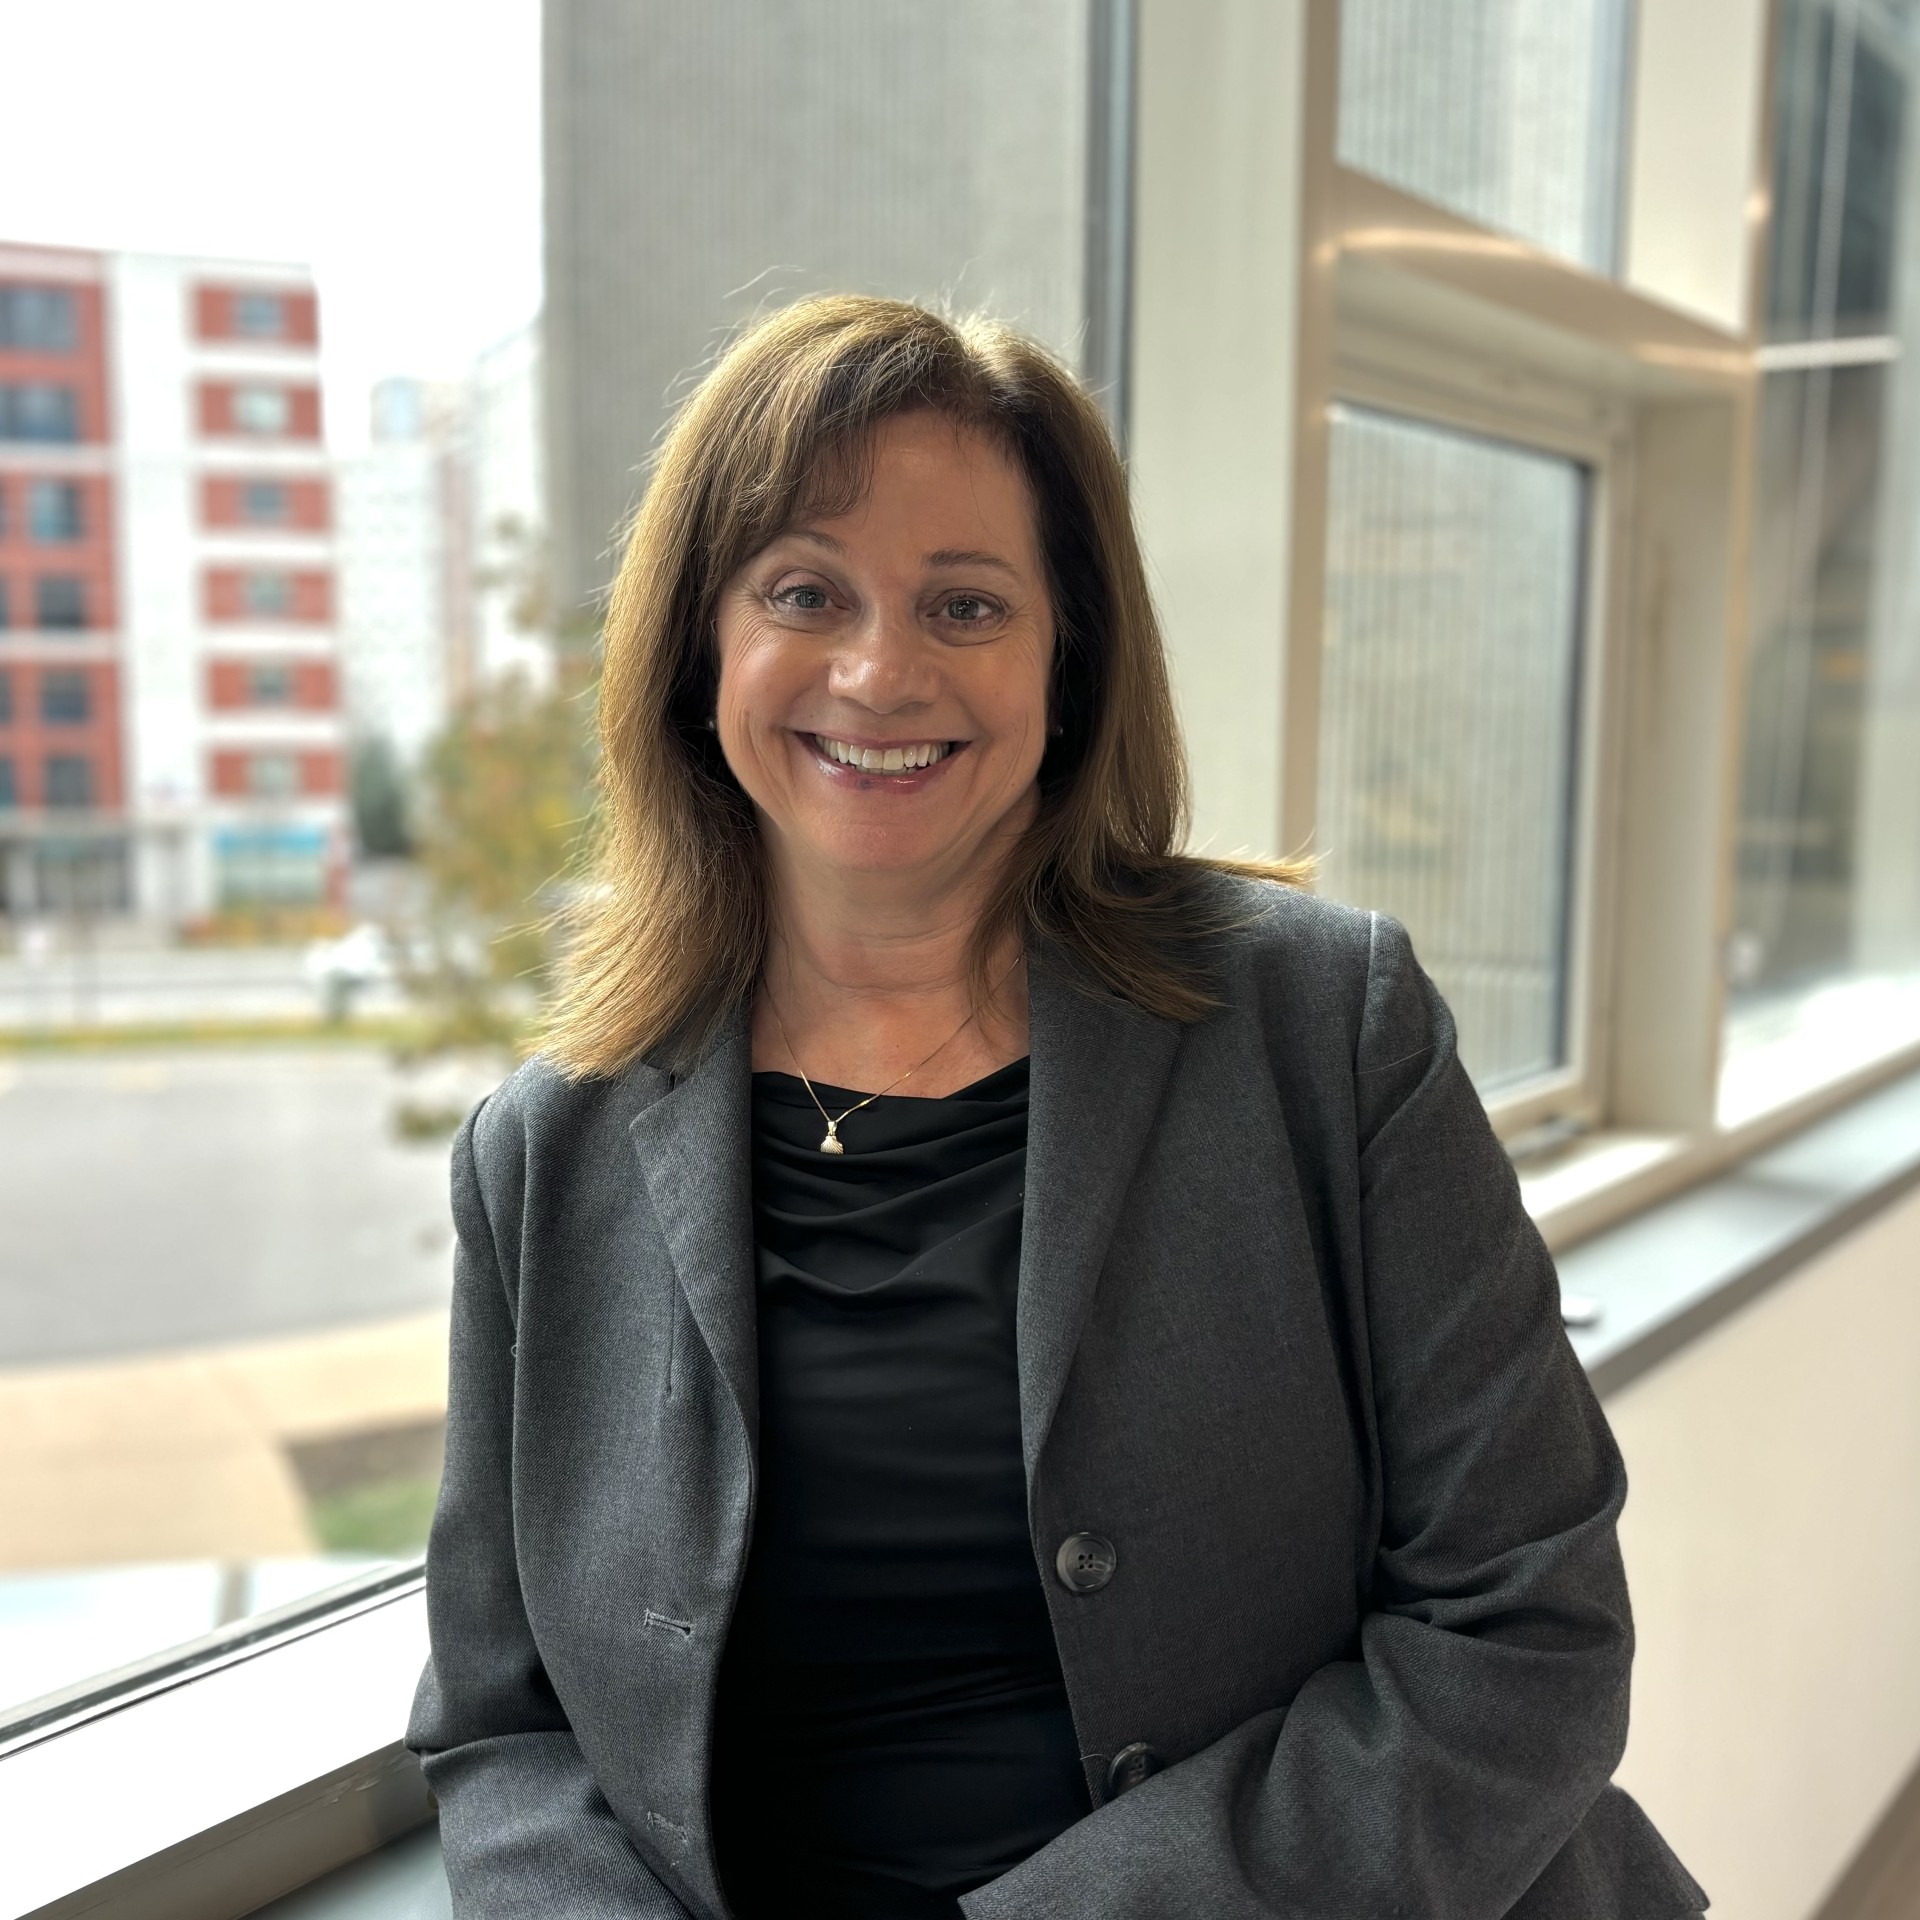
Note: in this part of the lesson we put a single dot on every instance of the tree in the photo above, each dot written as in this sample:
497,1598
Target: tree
504,801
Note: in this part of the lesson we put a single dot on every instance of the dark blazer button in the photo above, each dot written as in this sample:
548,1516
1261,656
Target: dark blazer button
1085,1562
1129,1767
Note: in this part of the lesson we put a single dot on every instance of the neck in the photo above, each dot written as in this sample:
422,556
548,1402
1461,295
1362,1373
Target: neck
859,939
868,975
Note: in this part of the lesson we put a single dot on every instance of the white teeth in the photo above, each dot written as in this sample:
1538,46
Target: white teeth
883,759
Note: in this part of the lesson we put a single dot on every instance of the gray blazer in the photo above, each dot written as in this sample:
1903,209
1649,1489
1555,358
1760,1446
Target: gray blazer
1286,1338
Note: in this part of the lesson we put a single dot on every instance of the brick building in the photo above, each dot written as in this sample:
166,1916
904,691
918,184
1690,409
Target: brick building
171,739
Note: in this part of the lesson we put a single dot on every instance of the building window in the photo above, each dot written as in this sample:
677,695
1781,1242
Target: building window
264,503
54,511
263,410
260,316
69,780
6,608
6,696
1512,116
271,867
9,782
273,776
270,683
37,319
35,410
268,595
1455,577
65,699
59,603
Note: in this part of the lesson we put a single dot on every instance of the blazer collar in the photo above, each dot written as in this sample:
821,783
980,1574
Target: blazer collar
696,1155
1099,1068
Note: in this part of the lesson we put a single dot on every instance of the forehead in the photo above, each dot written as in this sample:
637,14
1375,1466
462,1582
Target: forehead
923,473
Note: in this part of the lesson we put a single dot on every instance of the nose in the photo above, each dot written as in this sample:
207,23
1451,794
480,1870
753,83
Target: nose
884,664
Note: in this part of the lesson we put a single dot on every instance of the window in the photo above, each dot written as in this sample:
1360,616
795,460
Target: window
6,607
270,683
64,698
54,511
260,316
69,780
1508,111
1449,700
268,595
262,410
36,410
6,696
273,776
9,782
59,603
37,319
281,866
1824,963
264,503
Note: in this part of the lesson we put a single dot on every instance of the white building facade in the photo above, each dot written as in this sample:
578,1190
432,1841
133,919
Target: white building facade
173,741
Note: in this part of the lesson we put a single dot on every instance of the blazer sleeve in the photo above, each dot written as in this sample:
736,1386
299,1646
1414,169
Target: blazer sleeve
524,1828
1446,1766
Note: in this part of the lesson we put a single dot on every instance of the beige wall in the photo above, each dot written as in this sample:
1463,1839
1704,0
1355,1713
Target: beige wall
1773,1543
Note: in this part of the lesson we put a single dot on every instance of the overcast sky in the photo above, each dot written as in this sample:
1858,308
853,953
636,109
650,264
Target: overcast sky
393,145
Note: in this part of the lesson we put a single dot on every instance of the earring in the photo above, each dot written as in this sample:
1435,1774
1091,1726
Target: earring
1057,729
713,723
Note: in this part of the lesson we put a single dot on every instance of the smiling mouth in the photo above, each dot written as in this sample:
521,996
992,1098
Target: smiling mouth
910,756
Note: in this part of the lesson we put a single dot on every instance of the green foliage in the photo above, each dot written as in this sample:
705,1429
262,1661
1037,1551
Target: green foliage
382,1516
504,801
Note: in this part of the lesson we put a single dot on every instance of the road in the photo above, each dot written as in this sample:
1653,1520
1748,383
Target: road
118,986
170,1198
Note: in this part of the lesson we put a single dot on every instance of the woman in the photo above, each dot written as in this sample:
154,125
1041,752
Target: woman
996,1368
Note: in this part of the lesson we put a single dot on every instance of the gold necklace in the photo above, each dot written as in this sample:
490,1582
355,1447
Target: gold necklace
831,1142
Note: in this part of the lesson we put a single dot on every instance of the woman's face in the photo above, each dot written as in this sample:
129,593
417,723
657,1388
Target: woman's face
883,672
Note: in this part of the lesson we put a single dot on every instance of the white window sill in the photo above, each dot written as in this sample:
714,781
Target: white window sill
253,1778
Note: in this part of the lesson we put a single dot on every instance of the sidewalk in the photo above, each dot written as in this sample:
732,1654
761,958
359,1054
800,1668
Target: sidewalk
190,1455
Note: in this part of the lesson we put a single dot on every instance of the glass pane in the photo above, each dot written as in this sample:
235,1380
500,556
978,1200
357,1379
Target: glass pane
267,958
1508,111
1449,696
1824,962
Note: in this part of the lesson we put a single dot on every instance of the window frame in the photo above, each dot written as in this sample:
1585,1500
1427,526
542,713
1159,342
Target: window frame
1408,380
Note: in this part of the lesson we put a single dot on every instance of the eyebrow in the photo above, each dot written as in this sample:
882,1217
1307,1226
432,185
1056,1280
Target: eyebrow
969,557
939,557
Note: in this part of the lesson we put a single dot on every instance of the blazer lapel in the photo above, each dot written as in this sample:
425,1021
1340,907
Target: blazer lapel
695,1149
1098,1068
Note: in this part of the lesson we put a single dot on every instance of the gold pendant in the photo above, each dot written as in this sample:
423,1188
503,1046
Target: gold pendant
831,1144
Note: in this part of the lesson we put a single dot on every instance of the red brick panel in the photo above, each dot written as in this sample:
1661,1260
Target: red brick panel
214,316
88,559
230,773
316,686
309,507
310,601
31,740
227,685
323,772
84,369
219,418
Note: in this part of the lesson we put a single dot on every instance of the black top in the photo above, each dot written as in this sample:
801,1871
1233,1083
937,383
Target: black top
892,1723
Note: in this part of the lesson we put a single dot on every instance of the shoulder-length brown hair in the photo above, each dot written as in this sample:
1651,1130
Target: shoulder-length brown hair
673,927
